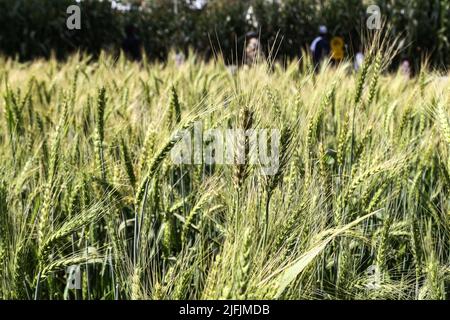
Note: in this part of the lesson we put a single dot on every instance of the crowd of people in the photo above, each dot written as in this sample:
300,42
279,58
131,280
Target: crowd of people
323,48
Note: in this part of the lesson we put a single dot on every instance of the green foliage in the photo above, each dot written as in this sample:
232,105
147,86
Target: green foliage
105,195
288,27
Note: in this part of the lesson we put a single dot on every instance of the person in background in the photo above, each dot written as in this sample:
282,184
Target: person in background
405,67
131,45
359,59
180,58
320,47
252,50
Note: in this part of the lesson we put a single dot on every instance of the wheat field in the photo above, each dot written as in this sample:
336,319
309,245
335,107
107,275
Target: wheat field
359,208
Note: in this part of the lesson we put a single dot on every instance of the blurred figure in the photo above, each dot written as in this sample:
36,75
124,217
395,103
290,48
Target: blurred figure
359,59
320,47
131,45
252,50
338,49
180,58
405,67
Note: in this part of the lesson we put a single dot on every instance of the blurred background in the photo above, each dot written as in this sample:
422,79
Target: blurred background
37,28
